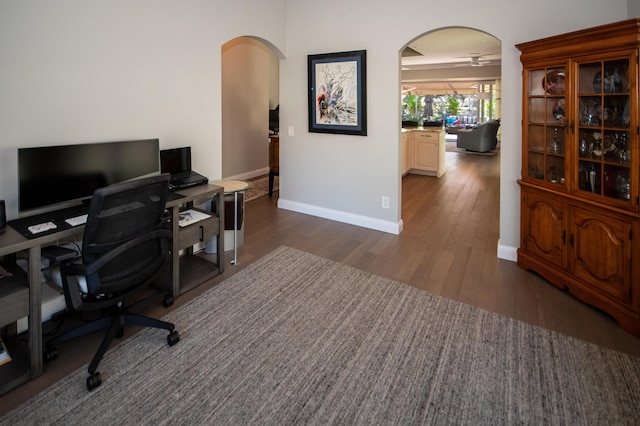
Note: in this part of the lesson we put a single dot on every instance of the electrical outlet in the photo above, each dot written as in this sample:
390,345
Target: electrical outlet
385,202
291,132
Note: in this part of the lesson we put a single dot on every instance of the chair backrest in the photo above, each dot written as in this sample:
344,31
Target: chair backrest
489,131
126,229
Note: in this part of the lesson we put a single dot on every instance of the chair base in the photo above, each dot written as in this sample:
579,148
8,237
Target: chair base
114,325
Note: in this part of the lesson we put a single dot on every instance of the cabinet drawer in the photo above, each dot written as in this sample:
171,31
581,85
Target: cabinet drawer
198,232
427,136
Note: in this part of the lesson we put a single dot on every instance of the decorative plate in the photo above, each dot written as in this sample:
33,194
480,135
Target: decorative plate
553,82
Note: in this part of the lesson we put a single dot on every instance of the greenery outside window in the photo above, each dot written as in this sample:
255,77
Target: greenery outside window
454,110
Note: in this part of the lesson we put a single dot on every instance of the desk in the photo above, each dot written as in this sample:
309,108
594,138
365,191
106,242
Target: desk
17,371
190,271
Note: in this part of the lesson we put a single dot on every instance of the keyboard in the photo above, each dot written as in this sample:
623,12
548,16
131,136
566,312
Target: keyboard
77,220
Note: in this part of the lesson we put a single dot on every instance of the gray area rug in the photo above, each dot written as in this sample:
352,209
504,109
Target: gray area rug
298,339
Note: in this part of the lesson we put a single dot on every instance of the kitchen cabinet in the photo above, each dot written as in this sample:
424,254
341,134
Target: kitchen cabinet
423,151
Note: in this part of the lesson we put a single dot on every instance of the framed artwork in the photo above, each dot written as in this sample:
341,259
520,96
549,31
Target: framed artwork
338,93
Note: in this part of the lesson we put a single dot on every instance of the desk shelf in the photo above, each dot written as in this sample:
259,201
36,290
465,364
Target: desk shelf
195,270
14,303
198,232
14,295
17,371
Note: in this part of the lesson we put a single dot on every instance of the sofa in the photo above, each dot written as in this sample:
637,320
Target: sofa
482,138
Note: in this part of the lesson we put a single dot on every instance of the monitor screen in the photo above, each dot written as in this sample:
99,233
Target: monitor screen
55,176
176,160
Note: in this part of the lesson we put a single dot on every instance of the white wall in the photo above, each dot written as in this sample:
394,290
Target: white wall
87,70
634,8
344,177
75,71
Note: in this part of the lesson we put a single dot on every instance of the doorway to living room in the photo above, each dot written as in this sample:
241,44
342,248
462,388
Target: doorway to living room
451,77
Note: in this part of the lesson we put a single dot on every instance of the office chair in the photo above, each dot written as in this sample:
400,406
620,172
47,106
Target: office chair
126,244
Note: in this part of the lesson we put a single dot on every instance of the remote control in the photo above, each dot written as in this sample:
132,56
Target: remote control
41,227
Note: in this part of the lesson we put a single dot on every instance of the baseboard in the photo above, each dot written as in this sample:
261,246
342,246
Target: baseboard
339,216
503,252
249,175
507,252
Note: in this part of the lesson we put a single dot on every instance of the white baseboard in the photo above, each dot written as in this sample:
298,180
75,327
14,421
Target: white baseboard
504,252
507,252
339,216
249,175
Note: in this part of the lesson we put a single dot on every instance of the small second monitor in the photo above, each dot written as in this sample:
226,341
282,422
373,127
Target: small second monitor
175,160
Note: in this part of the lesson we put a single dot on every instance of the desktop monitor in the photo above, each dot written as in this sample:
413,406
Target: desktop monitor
55,177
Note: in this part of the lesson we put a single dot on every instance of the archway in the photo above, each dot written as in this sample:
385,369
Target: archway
250,88
453,62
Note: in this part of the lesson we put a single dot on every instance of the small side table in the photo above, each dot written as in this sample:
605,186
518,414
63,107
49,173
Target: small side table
234,187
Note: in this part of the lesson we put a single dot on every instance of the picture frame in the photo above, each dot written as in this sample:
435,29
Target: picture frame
338,93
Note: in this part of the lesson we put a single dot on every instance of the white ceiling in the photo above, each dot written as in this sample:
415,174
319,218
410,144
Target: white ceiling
440,62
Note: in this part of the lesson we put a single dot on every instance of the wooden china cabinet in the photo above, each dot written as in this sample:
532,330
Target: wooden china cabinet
580,223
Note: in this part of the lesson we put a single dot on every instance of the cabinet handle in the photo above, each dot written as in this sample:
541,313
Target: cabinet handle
201,233
564,237
571,240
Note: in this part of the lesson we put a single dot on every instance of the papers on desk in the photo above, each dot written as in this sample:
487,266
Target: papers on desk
191,216
4,354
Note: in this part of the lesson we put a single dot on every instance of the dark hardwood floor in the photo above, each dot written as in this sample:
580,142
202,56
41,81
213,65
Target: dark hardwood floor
448,247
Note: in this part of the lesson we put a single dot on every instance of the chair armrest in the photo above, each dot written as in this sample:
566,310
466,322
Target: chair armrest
93,267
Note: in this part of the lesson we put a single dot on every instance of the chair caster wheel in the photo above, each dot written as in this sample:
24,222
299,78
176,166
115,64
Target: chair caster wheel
167,301
50,354
93,381
173,338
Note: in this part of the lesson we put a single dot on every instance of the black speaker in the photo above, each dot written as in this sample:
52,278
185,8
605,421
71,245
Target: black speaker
3,217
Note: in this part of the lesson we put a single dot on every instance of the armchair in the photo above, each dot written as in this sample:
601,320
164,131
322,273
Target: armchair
480,139
125,245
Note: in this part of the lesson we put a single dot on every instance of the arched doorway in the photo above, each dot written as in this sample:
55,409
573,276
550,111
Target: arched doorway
447,67
250,89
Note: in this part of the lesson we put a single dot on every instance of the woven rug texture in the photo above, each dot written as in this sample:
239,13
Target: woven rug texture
298,339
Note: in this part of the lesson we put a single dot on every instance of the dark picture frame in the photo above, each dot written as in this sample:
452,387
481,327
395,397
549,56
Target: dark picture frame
338,93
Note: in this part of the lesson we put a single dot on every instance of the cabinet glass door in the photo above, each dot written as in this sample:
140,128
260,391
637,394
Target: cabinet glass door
603,121
545,132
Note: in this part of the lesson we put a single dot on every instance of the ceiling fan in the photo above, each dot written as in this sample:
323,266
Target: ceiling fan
474,62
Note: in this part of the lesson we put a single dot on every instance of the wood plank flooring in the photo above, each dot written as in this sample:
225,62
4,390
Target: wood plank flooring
448,247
